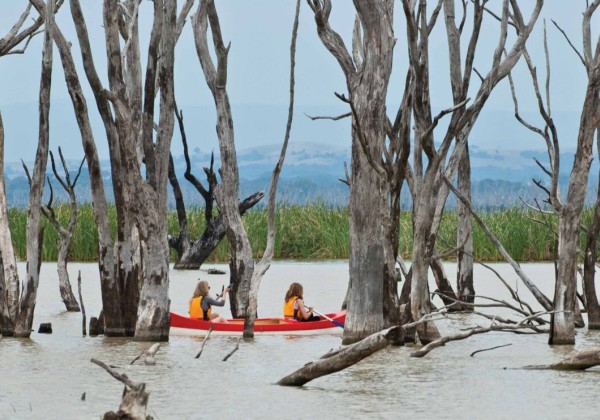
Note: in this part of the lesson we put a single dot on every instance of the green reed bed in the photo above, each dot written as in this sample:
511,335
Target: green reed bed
311,232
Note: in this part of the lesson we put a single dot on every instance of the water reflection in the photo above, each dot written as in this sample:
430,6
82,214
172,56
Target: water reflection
45,376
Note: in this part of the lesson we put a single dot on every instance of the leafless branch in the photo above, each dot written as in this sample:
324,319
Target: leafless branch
339,117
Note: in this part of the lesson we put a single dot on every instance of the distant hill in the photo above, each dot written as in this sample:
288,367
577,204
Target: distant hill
311,174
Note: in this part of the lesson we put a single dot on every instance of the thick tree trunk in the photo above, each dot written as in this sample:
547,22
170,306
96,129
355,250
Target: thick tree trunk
107,264
464,236
563,329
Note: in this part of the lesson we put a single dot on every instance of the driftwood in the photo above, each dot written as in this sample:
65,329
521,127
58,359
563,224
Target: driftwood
204,341
135,399
581,360
491,348
237,346
345,357
149,355
480,330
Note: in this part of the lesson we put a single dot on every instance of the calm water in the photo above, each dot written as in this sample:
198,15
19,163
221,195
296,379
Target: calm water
45,376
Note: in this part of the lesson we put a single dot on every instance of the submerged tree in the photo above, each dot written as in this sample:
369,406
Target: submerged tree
245,275
569,212
133,271
379,157
65,233
191,254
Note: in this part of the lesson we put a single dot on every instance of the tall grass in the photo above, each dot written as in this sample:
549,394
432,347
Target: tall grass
310,232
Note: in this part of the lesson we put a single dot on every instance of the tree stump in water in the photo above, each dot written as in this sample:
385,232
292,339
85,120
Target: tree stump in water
45,328
93,326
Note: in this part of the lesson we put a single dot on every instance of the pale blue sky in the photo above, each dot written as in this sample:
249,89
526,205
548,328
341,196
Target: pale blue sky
260,32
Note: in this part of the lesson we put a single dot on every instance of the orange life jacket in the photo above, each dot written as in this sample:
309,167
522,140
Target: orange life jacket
196,310
288,308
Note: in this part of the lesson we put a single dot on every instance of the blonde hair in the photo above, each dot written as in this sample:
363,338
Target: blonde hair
294,290
201,289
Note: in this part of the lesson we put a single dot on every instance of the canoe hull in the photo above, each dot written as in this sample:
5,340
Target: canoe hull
181,325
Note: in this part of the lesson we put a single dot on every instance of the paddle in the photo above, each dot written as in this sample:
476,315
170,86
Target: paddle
333,321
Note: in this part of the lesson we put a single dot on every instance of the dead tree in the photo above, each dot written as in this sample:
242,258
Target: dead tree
9,280
348,356
65,233
372,299
562,330
245,276
265,262
430,192
191,254
135,277
26,304
227,192
569,212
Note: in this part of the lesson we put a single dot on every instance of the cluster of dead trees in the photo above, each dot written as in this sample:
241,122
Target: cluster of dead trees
138,111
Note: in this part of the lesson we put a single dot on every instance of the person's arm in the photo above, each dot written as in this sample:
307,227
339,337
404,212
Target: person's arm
304,314
214,302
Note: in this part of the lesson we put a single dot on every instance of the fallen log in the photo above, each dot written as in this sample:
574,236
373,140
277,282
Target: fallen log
345,357
581,360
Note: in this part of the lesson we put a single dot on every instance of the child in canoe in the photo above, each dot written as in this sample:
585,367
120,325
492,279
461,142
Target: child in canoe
201,304
293,306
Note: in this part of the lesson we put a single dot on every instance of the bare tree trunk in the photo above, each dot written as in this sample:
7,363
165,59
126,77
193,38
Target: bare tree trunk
226,193
464,236
589,269
372,258
9,279
265,262
24,319
111,295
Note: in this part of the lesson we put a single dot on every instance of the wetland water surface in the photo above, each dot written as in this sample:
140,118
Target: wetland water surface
44,377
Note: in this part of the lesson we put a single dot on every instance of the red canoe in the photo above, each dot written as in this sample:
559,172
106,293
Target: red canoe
183,325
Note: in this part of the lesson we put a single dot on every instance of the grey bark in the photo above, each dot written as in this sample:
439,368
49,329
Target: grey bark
9,280
27,300
563,322
464,237
135,290
343,358
110,290
65,234
372,299
427,184
226,193
191,254
265,262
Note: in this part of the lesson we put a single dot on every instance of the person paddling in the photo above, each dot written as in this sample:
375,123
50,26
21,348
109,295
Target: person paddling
293,306
201,304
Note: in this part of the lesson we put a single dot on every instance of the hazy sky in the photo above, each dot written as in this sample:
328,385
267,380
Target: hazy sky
258,82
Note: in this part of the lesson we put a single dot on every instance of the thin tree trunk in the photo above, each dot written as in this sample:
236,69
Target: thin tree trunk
24,319
464,236
10,276
226,193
